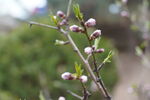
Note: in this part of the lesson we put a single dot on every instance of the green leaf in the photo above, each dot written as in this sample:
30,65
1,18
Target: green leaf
54,19
78,69
96,42
77,12
109,56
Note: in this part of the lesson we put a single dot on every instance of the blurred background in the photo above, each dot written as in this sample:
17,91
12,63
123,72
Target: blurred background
31,63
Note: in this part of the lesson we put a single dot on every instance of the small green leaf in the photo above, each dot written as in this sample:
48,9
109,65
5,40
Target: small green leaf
78,69
54,19
77,12
109,56
96,42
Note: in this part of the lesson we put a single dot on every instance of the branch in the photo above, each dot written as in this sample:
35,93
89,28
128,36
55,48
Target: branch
100,67
43,25
88,57
69,8
87,66
103,88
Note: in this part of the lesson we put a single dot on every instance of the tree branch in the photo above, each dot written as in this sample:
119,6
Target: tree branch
40,24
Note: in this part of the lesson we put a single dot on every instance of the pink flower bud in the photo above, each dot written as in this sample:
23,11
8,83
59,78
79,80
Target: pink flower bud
61,98
99,50
88,50
83,79
91,22
75,28
67,76
124,14
95,34
63,22
61,14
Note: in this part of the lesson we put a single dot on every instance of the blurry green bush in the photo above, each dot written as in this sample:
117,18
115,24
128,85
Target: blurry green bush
30,62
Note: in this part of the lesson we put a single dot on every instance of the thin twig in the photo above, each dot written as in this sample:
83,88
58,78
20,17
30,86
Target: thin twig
40,24
69,8
86,93
88,57
75,95
100,67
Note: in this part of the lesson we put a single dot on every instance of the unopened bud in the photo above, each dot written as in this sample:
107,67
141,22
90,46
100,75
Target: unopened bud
124,14
75,28
88,50
99,50
67,76
61,98
60,42
95,34
83,79
61,14
63,22
91,22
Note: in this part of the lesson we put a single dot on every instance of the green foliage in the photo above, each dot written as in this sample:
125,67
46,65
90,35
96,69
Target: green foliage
54,19
78,69
107,59
77,12
27,54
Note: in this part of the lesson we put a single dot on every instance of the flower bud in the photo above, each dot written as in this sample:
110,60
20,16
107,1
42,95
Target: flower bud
63,22
95,34
124,14
83,79
67,76
61,14
61,98
99,50
88,50
60,42
75,28
91,22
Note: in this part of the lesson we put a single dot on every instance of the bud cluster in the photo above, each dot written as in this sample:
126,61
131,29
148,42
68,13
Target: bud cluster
70,76
62,15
